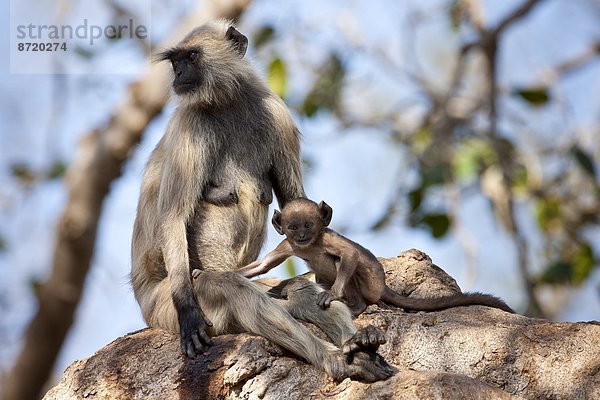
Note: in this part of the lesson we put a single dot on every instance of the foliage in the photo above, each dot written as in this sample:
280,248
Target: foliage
487,148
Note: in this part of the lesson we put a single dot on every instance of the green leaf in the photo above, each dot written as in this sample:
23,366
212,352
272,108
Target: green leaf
439,224
548,213
326,90
263,36
536,96
557,272
415,198
277,77
290,267
519,179
310,106
456,11
23,173
432,175
57,170
583,263
471,157
574,270
584,160
421,140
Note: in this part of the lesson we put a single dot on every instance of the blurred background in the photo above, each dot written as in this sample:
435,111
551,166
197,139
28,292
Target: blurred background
465,128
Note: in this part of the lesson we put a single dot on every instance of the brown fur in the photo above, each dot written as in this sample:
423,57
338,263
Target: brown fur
352,272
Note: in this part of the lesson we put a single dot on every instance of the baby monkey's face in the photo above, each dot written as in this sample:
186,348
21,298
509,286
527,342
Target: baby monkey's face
302,221
302,227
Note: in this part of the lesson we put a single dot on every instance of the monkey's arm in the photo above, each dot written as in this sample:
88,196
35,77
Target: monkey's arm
271,260
180,185
286,171
346,261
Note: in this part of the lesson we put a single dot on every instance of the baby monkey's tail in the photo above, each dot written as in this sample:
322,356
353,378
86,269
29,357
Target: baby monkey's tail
442,303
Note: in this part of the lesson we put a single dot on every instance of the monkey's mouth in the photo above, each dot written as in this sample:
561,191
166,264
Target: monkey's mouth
302,241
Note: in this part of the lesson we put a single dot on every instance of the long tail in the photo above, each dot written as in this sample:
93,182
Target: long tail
441,303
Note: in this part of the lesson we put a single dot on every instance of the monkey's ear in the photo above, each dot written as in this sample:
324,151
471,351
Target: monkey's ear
239,41
166,55
326,212
276,220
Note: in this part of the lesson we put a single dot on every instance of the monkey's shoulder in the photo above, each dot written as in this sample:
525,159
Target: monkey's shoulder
334,239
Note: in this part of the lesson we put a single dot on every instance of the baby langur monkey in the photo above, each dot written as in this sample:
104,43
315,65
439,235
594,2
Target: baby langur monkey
353,272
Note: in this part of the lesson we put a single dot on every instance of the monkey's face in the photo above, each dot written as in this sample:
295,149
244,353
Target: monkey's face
302,230
208,63
302,221
186,63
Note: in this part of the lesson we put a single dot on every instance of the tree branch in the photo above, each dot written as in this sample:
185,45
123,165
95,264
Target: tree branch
504,204
461,353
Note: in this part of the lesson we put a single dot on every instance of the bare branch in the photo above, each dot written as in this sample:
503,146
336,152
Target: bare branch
579,60
504,204
516,15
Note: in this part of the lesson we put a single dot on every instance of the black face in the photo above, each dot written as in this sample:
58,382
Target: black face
302,231
302,221
186,68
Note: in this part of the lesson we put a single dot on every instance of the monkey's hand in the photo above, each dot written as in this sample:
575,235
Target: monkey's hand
368,337
325,298
253,269
192,327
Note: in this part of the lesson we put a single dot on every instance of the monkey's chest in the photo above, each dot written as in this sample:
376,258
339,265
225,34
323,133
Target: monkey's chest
323,265
227,237
238,179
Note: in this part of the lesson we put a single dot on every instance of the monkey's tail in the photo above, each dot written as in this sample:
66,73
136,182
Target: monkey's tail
441,303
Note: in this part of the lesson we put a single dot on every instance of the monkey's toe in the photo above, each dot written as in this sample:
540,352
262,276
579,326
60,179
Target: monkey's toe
368,337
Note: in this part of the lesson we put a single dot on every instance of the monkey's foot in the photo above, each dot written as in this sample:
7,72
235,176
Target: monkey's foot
368,366
368,337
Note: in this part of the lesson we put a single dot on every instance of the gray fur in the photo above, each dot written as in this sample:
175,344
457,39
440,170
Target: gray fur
230,134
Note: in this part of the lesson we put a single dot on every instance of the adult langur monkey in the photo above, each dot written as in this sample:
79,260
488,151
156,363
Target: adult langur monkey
203,205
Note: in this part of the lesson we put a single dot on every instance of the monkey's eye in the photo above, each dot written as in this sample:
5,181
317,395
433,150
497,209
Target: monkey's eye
193,55
292,227
308,225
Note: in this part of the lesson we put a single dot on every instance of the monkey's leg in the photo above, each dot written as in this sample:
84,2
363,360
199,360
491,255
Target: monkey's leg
355,298
235,304
335,321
